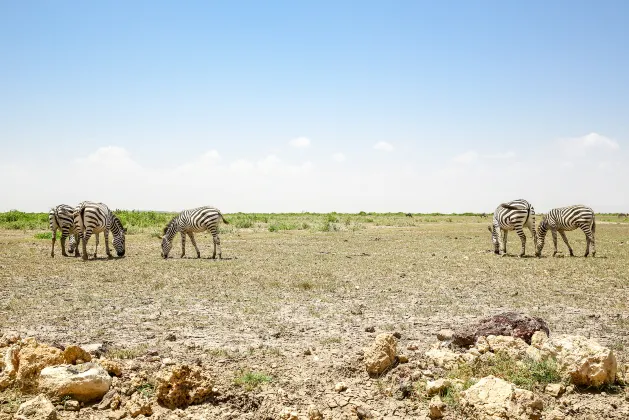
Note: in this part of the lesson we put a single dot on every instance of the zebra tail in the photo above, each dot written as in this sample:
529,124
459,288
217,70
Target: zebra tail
593,226
223,217
54,213
82,220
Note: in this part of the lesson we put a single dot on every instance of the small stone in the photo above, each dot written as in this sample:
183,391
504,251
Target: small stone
307,352
412,347
436,387
436,408
170,337
314,413
555,390
402,358
38,408
152,352
445,335
112,368
167,361
340,387
370,329
71,405
397,335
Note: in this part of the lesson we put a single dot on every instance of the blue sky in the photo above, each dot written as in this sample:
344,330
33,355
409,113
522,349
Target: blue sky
399,106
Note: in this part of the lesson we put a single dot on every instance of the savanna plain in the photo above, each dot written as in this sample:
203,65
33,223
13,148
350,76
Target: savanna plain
284,316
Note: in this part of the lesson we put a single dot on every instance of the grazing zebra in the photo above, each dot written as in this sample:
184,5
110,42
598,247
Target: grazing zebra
514,215
93,218
62,218
566,219
621,215
189,222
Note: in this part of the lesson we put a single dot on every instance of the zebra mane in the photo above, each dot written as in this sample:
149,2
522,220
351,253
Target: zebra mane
172,221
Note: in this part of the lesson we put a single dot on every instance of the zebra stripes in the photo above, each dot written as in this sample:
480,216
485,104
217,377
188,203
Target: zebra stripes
93,218
566,219
514,215
189,222
62,217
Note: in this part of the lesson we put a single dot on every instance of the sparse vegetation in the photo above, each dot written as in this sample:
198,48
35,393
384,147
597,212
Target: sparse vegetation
526,374
251,380
127,353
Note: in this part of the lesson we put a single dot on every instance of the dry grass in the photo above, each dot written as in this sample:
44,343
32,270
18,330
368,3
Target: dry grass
280,292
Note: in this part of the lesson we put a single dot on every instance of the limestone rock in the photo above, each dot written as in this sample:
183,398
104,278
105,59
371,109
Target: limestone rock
585,361
507,323
107,400
340,387
10,364
555,390
85,382
515,347
71,405
32,358
72,354
314,413
381,354
9,338
445,335
444,358
436,408
436,387
493,397
113,368
181,386
38,408
138,405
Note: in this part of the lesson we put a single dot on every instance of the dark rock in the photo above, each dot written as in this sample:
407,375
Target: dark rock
507,323
363,413
171,337
370,329
397,335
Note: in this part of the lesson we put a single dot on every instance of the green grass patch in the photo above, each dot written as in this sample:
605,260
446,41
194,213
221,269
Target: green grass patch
46,235
251,380
127,353
527,374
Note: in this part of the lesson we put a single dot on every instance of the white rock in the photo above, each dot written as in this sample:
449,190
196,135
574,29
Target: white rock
85,382
38,408
340,387
445,335
555,390
585,361
436,408
444,358
435,387
493,397
381,354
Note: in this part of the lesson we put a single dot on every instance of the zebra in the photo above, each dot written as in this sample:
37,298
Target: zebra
93,218
514,215
189,222
566,219
62,217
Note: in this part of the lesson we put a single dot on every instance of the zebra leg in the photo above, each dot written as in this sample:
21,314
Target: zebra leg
504,242
565,239
77,241
522,236
107,250
96,248
217,243
54,238
183,244
589,237
86,237
194,242
554,233
63,244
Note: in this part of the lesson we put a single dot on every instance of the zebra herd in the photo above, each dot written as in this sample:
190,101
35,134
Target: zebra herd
518,214
79,223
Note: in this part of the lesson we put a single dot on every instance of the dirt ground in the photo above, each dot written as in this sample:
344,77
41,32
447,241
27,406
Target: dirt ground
294,306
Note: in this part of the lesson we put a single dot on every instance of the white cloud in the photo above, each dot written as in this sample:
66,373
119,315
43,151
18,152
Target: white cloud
467,157
300,142
472,181
589,143
339,157
383,145
507,155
